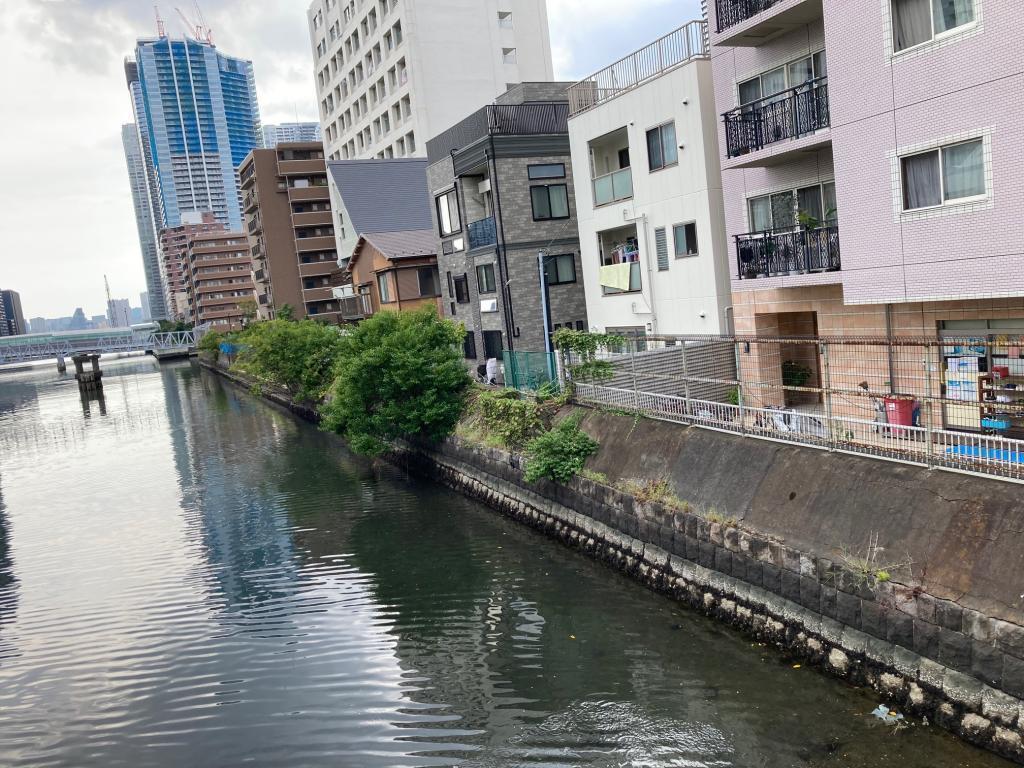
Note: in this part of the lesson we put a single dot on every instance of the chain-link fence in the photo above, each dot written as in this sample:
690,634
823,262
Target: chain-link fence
953,403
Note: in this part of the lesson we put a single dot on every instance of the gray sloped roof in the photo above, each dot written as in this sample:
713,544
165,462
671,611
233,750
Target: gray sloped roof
384,195
404,245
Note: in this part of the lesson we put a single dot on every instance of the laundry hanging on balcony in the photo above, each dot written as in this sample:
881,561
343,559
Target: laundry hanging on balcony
616,276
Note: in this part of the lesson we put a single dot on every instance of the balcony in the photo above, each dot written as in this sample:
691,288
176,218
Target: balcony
676,48
612,187
482,233
300,167
751,23
796,252
323,243
316,192
789,115
355,307
311,219
635,279
259,275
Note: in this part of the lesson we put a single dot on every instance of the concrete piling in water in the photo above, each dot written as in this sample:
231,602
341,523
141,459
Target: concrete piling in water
62,366
88,380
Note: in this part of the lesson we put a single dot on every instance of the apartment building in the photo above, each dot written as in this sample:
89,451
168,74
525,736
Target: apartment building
220,279
644,140
392,73
174,253
289,133
13,319
504,211
872,179
287,210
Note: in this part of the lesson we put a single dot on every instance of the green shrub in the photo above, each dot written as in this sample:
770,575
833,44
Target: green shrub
559,453
579,351
296,357
594,477
514,420
210,343
399,375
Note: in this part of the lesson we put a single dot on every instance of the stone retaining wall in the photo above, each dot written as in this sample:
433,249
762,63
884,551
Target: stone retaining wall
930,665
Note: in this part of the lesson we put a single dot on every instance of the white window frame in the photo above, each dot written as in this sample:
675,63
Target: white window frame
935,38
956,201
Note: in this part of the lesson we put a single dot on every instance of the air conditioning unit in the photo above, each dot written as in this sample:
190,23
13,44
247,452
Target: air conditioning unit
488,305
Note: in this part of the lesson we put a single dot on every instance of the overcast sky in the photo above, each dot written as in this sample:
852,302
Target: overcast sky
66,215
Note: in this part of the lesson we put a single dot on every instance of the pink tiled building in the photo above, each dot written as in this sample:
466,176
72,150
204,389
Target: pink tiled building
871,162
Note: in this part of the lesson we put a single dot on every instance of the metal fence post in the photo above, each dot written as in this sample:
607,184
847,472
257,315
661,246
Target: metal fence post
928,404
739,388
632,363
686,380
828,397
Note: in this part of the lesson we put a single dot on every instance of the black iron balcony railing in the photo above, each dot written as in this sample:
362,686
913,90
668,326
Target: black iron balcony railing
732,12
795,252
787,115
482,232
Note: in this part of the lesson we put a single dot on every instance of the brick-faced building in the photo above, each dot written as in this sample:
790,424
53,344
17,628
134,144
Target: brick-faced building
502,192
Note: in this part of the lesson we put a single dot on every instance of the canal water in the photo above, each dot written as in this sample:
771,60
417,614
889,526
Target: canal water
189,577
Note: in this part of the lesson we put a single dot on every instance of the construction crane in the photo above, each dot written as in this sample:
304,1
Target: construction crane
161,31
198,29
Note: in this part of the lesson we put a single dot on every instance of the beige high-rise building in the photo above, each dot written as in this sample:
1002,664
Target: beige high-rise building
391,74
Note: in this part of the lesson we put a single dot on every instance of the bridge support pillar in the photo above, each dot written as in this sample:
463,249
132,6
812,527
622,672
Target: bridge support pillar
88,380
62,365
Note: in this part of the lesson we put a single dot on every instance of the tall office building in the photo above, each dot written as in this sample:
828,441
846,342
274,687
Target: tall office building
145,221
119,313
147,312
197,111
13,314
290,133
391,75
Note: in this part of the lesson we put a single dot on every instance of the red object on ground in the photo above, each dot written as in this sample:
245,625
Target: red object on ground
899,411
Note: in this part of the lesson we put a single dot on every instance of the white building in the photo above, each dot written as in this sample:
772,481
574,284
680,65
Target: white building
391,74
283,133
119,313
644,139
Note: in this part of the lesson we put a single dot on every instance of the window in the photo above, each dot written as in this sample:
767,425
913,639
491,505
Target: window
917,21
448,213
384,288
469,346
485,278
661,147
462,289
508,55
550,202
784,210
560,269
684,236
428,280
945,175
777,80
550,171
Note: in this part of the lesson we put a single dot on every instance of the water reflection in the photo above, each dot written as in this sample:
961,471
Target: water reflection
202,580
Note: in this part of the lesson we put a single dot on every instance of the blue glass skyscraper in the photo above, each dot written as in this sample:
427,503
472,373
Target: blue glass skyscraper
196,109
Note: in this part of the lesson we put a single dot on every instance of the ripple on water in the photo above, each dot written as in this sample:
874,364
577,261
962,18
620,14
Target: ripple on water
189,577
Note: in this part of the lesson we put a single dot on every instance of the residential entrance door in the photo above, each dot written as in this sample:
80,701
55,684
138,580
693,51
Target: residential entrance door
492,345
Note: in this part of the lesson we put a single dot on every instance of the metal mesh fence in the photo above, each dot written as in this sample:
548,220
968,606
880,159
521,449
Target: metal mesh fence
955,403
529,370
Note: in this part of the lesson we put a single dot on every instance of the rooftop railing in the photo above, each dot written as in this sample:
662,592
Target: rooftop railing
687,43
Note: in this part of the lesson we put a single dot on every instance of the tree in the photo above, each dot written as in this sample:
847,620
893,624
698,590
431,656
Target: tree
248,308
285,312
399,375
296,357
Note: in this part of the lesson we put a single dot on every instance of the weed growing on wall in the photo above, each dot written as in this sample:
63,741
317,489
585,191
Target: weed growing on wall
559,453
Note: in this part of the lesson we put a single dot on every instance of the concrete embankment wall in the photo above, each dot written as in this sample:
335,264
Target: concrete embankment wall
943,640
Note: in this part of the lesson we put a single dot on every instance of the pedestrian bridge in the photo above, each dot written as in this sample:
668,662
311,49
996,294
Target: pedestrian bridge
55,346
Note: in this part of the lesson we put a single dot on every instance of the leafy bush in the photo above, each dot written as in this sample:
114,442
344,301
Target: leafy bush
794,374
297,357
559,453
399,375
514,420
210,343
579,351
